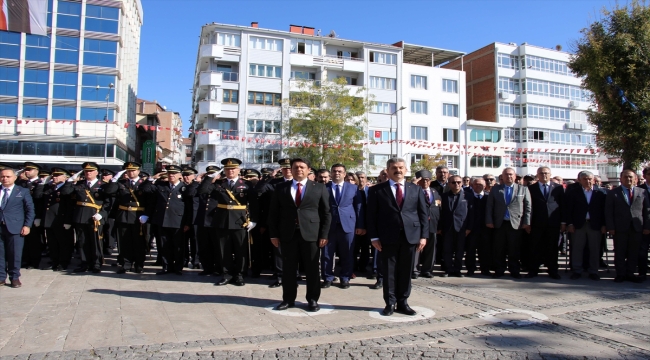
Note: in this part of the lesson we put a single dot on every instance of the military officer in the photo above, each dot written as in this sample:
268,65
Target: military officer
208,239
236,214
190,244
33,246
108,230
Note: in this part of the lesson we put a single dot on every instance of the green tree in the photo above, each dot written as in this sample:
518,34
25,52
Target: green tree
327,113
428,162
613,59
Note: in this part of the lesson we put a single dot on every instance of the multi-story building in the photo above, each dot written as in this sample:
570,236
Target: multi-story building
64,95
168,135
525,109
244,72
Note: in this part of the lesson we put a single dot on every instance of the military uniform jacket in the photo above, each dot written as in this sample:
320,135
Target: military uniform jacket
192,198
57,208
169,205
35,190
245,195
207,203
79,194
264,192
128,195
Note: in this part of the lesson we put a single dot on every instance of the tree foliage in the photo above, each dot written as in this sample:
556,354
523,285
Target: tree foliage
428,162
327,113
613,58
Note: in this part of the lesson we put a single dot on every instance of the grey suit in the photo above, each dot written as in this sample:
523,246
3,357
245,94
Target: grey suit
507,233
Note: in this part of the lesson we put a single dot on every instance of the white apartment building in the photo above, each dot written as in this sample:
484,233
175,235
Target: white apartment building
57,90
243,73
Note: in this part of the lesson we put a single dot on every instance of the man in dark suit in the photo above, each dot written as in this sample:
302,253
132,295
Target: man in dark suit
507,212
398,226
428,255
456,222
645,240
16,218
208,239
190,246
547,200
479,239
627,217
584,214
109,234
441,186
33,242
299,219
347,220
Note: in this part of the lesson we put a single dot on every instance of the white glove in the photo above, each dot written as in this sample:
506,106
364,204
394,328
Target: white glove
212,175
143,219
67,226
37,222
250,226
118,176
97,217
75,177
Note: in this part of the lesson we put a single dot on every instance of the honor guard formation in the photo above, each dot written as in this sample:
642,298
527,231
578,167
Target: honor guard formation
320,227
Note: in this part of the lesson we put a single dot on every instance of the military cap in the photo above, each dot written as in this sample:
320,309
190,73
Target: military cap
211,169
529,177
285,163
28,165
279,175
6,167
230,163
164,176
294,160
189,171
266,171
107,172
56,171
424,174
90,166
43,172
131,165
251,173
173,169
144,174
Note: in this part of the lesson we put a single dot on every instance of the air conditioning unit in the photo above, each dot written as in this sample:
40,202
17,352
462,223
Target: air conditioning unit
503,95
574,104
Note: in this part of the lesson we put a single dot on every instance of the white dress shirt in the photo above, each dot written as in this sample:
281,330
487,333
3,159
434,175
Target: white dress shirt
92,182
393,188
294,188
334,185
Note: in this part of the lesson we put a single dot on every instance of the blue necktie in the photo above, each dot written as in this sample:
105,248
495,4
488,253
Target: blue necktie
5,196
508,200
337,193
546,191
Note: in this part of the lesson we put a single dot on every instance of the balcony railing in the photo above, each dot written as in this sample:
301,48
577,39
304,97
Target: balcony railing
342,57
230,76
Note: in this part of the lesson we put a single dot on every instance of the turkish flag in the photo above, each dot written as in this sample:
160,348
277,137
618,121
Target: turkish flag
377,134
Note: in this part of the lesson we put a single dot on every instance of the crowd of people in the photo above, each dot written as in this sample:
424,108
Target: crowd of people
232,223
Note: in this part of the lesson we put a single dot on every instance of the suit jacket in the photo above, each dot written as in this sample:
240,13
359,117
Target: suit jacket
460,216
478,210
169,206
349,212
384,218
577,208
313,217
438,187
207,203
519,206
36,191
127,194
546,212
434,209
620,216
19,210
57,208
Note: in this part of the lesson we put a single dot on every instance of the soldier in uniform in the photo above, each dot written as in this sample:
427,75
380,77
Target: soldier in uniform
130,204
190,243
43,174
236,214
171,216
88,215
208,239
57,211
33,245
108,230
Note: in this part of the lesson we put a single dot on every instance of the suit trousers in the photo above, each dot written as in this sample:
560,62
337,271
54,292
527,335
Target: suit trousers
626,251
543,248
377,264
427,257
582,238
506,238
33,248
191,244
110,234
341,243
643,255
171,248
454,249
485,247
397,265
91,246
472,242
11,252
60,242
133,246
362,248
306,251
261,251
209,249
233,242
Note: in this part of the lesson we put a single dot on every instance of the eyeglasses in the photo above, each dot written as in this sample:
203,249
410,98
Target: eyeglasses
455,182
492,179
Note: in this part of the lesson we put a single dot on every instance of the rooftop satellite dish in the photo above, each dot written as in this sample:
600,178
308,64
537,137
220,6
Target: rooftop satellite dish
332,34
164,107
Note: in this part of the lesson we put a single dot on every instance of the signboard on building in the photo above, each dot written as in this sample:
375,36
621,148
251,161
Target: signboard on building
28,16
149,156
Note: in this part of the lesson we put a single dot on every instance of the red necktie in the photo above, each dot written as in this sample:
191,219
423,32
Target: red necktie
298,195
399,196
631,196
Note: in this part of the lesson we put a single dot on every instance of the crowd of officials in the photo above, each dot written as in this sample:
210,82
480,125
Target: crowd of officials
232,223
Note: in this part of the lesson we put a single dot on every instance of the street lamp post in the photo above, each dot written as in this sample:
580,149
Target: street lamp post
108,95
391,129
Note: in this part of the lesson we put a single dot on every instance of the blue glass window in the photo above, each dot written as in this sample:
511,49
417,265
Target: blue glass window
100,53
67,50
9,110
37,48
8,81
49,13
9,45
35,111
64,112
65,85
102,19
94,114
69,15
36,83
90,90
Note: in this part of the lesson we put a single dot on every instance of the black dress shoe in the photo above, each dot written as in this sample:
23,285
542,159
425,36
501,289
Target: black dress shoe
405,309
204,273
80,269
325,284
378,285
313,306
634,279
531,275
121,270
456,274
372,276
178,272
222,282
497,275
238,282
594,277
276,284
602,264
555,276
138,270
486,272
388,310
414,276
427,275
163,272
469,273
619,279
285,305
515,276
444,275
96,270
345,284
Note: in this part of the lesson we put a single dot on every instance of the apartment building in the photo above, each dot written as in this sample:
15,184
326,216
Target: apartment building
526,109
56,91
244,72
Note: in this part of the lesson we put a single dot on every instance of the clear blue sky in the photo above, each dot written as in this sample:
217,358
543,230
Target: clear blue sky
169,40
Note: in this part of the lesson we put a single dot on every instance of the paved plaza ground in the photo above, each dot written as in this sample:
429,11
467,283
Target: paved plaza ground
73,316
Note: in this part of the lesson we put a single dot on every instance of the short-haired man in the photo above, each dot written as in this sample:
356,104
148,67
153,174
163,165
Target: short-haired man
323,176
490,181
427,257
466,182
456,222
362,246
480,239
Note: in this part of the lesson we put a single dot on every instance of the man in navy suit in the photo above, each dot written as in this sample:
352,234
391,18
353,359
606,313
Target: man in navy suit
456,222
16,218
480,239
398,226
347,220
584,215
432,198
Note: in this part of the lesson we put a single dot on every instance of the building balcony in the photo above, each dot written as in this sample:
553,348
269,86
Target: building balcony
210,78
209,107
207,136
211,51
